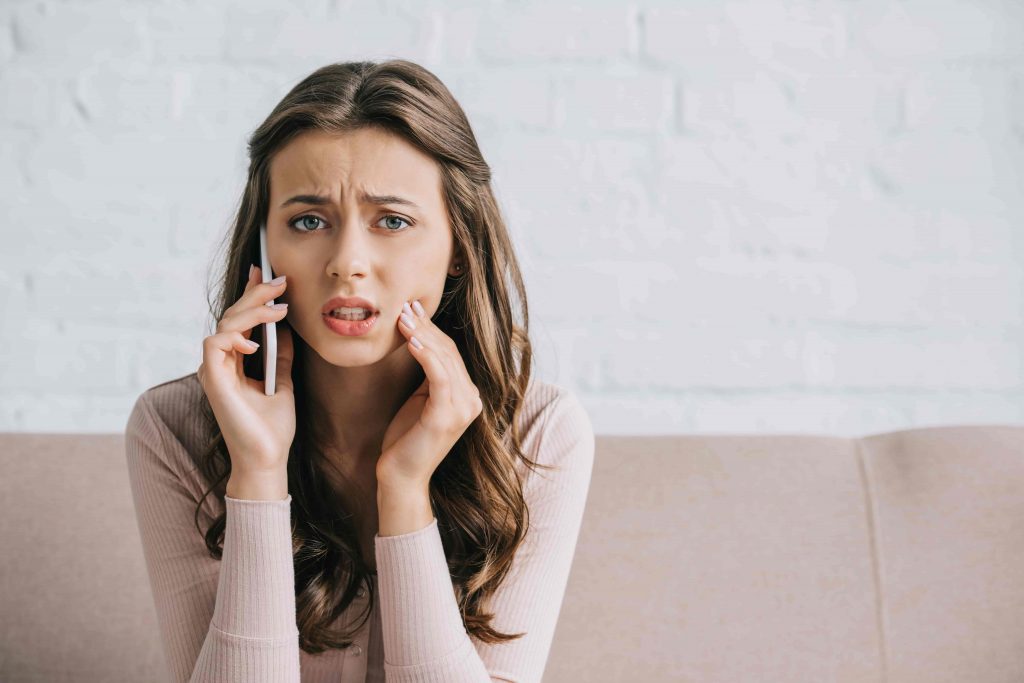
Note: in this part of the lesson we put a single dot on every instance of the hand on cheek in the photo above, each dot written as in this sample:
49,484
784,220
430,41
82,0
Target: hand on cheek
437,413
408,319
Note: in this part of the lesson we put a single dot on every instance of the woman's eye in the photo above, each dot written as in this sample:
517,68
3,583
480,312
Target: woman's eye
394,218
394,223
303,218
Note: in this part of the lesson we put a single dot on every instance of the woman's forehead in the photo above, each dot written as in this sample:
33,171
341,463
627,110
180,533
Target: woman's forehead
367,161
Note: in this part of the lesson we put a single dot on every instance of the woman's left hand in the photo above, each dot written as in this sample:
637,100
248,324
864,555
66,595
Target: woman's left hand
438,412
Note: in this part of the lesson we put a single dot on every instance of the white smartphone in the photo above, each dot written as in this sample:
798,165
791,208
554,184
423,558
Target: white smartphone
269,329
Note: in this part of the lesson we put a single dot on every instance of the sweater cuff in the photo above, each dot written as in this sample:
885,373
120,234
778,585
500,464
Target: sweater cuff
256,589
421,622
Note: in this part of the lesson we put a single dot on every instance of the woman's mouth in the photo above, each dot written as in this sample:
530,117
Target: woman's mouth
350,328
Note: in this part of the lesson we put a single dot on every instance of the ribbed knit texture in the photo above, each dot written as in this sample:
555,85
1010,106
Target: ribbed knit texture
234,619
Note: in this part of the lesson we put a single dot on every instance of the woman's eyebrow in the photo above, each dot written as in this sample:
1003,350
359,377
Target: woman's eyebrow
378,199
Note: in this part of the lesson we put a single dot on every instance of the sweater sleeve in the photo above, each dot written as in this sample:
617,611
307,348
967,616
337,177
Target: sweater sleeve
424,637
232,619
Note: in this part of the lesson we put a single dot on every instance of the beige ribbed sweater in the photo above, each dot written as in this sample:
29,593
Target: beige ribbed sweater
234,619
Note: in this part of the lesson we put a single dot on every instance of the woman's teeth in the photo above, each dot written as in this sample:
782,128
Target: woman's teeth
350,313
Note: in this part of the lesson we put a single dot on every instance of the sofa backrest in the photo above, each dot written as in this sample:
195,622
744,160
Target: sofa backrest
892,557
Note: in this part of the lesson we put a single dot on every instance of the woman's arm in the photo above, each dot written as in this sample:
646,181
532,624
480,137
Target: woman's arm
424,638
232,619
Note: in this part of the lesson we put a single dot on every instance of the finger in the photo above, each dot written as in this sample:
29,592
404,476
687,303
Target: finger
257,293
436,372
218,354
414,327
246,300
254,278
450,366
243,321
431,331
431,335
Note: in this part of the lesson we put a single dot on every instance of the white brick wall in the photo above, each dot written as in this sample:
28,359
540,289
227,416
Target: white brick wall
757,216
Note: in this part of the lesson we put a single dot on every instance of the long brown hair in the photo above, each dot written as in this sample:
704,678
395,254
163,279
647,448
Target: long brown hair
476,491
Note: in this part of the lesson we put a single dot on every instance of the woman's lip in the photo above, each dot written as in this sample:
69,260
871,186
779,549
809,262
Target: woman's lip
349,328
347,302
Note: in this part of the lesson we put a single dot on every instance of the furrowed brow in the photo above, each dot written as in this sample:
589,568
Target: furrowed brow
378,199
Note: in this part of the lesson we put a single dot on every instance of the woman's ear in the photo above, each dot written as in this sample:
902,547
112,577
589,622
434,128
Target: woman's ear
458,266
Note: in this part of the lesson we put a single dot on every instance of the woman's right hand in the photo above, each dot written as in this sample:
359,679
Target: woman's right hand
258,429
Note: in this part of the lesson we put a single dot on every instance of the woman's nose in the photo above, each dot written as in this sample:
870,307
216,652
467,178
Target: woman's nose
349,250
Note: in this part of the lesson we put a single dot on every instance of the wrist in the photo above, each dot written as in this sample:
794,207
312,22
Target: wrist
396,484
403,509
257,485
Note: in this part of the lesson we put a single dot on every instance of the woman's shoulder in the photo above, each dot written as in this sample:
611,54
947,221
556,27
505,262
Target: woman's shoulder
173,391
554,415
177,406
176,402
545,397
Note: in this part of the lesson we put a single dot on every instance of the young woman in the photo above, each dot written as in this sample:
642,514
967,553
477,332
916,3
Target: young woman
408,501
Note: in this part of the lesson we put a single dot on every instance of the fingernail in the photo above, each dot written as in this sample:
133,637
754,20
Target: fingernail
419,309
406,309
278,280
408,321
416,342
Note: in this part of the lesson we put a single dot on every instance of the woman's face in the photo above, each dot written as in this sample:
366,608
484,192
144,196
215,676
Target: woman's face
359,239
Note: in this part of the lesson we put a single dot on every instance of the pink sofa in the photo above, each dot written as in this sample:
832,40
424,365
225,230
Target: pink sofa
895,557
